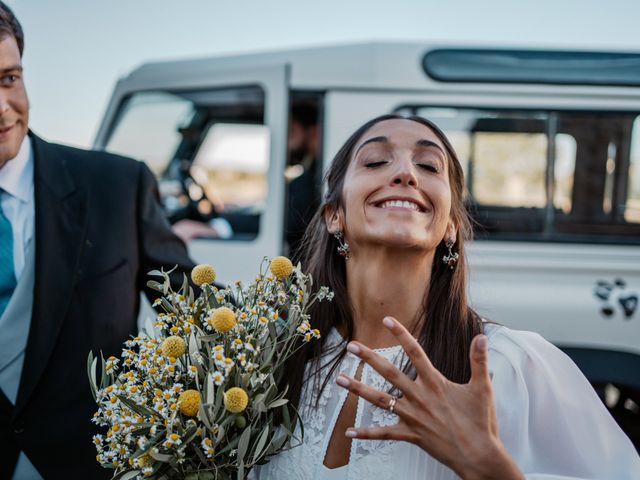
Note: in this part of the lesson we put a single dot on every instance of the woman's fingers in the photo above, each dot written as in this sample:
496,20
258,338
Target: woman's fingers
393,432
376,397
479,359
415,352
384,367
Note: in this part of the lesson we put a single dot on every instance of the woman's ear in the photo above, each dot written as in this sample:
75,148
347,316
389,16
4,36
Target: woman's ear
332,219
451,232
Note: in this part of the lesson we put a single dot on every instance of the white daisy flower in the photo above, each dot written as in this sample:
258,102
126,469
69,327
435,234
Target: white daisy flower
242,358
218,378
207,447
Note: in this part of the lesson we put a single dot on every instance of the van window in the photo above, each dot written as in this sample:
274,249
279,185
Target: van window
564,166
632,205
532,66
547,175
509,169
208,148
147,128
231,165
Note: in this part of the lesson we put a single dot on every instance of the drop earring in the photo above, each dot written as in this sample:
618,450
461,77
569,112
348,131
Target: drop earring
343,247
451,258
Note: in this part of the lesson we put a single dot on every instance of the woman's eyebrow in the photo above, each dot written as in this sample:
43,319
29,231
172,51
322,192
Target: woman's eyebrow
371,140
429,143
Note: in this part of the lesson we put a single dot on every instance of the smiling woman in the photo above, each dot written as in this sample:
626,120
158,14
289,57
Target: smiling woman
409,382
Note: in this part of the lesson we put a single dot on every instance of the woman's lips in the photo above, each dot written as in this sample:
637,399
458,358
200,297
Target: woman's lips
402,203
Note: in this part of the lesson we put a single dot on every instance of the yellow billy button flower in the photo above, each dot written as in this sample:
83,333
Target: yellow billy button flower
173,346
189,401
281,267
223,319
203,274
236,400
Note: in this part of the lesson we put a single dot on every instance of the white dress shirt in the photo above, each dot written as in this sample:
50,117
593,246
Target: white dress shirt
18,203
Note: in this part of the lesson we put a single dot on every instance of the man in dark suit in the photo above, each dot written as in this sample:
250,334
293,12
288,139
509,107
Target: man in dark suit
79,231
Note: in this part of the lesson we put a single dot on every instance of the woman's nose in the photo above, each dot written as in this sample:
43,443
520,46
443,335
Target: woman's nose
405,174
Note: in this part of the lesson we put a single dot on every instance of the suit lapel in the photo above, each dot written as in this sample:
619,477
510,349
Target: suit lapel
61,209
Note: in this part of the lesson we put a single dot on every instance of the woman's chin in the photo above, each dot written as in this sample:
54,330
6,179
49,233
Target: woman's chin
404,241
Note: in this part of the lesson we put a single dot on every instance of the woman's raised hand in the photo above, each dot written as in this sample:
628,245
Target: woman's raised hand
454,423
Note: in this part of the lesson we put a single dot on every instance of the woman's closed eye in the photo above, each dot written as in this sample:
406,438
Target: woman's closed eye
429,167
375,163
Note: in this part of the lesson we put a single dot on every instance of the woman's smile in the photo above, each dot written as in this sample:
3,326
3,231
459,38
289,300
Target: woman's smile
402,204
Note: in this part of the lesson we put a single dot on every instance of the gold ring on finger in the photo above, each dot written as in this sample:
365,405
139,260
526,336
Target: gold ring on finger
392,403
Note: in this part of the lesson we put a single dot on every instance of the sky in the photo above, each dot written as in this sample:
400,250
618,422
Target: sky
75,50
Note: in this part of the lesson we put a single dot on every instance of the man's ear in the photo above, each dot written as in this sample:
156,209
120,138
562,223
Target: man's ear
332,218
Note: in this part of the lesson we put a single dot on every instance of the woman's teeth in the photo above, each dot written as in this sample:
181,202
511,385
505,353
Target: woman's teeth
401,204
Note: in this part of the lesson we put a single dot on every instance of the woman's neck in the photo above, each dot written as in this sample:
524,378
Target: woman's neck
383,282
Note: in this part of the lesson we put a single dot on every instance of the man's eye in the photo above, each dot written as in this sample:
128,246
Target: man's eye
374,164
8,79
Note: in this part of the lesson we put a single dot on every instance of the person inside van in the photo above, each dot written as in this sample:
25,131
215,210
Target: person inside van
301,175
303,147
408,380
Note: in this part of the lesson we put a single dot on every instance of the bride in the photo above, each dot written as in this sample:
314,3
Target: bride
409,382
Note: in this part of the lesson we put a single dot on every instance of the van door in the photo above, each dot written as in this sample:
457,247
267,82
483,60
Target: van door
216,141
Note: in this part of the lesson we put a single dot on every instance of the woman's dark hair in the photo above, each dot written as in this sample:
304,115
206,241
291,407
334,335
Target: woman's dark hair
447,323
10,26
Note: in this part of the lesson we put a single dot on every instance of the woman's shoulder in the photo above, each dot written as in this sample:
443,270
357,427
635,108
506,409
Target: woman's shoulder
517,344
526,352
549,416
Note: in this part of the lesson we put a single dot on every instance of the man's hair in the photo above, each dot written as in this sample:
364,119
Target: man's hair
9,25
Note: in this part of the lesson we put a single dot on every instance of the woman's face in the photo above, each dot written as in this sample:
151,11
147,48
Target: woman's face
396,189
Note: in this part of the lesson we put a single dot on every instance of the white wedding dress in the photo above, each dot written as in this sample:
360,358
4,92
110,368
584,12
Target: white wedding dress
550,420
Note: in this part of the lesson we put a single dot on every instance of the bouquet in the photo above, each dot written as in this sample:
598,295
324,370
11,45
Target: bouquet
196,393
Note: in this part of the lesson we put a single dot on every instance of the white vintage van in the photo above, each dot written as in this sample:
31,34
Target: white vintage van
550,141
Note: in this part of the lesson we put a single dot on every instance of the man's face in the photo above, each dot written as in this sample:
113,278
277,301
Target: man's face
14,105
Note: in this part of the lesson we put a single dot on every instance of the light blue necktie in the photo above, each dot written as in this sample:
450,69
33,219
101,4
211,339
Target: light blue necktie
7,273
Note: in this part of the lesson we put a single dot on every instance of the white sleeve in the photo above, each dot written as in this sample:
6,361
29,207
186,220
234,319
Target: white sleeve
550,419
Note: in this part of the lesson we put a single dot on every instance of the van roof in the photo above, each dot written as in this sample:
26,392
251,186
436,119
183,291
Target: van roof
377,65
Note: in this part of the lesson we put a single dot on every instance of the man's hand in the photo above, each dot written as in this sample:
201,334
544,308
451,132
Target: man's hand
187,230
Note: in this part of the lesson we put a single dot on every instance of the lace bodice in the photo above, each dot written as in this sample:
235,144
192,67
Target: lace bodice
524,431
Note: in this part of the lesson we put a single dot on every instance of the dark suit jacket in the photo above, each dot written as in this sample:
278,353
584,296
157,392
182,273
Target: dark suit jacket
98,230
